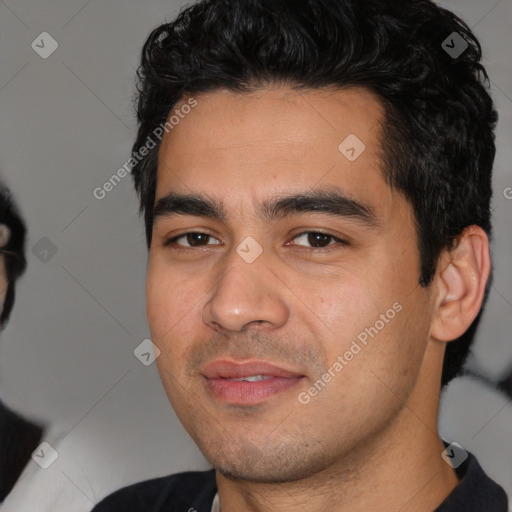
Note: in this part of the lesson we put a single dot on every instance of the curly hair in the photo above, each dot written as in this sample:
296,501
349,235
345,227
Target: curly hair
438,133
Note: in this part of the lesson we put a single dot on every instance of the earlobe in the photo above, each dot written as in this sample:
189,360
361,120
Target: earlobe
462,277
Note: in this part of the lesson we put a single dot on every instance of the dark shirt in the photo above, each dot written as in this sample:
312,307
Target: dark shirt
18,439
193,491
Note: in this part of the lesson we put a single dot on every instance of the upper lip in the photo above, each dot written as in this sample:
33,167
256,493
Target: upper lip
229,369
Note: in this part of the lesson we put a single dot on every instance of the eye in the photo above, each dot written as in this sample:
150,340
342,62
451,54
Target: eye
193,239
319,239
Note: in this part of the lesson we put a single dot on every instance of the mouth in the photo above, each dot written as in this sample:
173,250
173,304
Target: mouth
246,383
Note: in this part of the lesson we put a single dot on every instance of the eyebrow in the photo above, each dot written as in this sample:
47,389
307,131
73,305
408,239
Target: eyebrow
328,202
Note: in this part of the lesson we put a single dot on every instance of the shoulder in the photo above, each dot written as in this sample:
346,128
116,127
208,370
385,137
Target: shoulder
19,438
193,490
475,491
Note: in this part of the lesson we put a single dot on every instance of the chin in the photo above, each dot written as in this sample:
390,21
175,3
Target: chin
252,465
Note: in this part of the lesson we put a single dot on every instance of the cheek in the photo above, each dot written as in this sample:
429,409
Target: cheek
173,302
164,304
350,301
166,312
373,322
157,302
398,351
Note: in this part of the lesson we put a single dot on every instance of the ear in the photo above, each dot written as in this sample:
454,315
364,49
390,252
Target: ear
462,274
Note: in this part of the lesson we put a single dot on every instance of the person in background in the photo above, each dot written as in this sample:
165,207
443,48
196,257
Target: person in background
18,436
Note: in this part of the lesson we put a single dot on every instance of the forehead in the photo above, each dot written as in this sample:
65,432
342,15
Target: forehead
274,138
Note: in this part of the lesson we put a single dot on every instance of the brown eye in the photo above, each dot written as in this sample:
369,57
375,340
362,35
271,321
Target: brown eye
318,239
193,239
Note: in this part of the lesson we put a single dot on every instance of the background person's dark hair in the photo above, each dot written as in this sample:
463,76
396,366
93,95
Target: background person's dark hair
14,251
438,133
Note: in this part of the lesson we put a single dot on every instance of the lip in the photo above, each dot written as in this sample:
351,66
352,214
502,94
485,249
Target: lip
217,375
229,369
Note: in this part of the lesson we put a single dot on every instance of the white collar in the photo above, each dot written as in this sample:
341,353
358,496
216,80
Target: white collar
216,503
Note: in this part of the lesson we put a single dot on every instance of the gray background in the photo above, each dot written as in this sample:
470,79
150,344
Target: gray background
66,125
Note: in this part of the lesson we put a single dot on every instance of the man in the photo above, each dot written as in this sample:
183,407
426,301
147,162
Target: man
315,178
18,437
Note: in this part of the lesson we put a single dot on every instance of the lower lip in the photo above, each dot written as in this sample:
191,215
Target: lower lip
242,392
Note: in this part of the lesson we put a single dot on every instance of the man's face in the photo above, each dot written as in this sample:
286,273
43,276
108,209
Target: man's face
305,303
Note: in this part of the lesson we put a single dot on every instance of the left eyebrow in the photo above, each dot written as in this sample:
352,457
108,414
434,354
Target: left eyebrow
325,201
329,202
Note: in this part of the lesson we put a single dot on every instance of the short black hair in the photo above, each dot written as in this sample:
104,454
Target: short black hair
438,133
14,250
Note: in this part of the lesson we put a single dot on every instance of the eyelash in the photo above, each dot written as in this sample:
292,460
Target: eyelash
172,241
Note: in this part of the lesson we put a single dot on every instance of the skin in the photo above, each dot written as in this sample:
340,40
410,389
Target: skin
368,440
3,282
4,238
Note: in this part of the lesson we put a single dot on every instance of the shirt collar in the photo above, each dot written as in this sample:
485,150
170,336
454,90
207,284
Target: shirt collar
216,503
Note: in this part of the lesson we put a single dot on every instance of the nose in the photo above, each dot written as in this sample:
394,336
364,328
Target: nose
247,295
